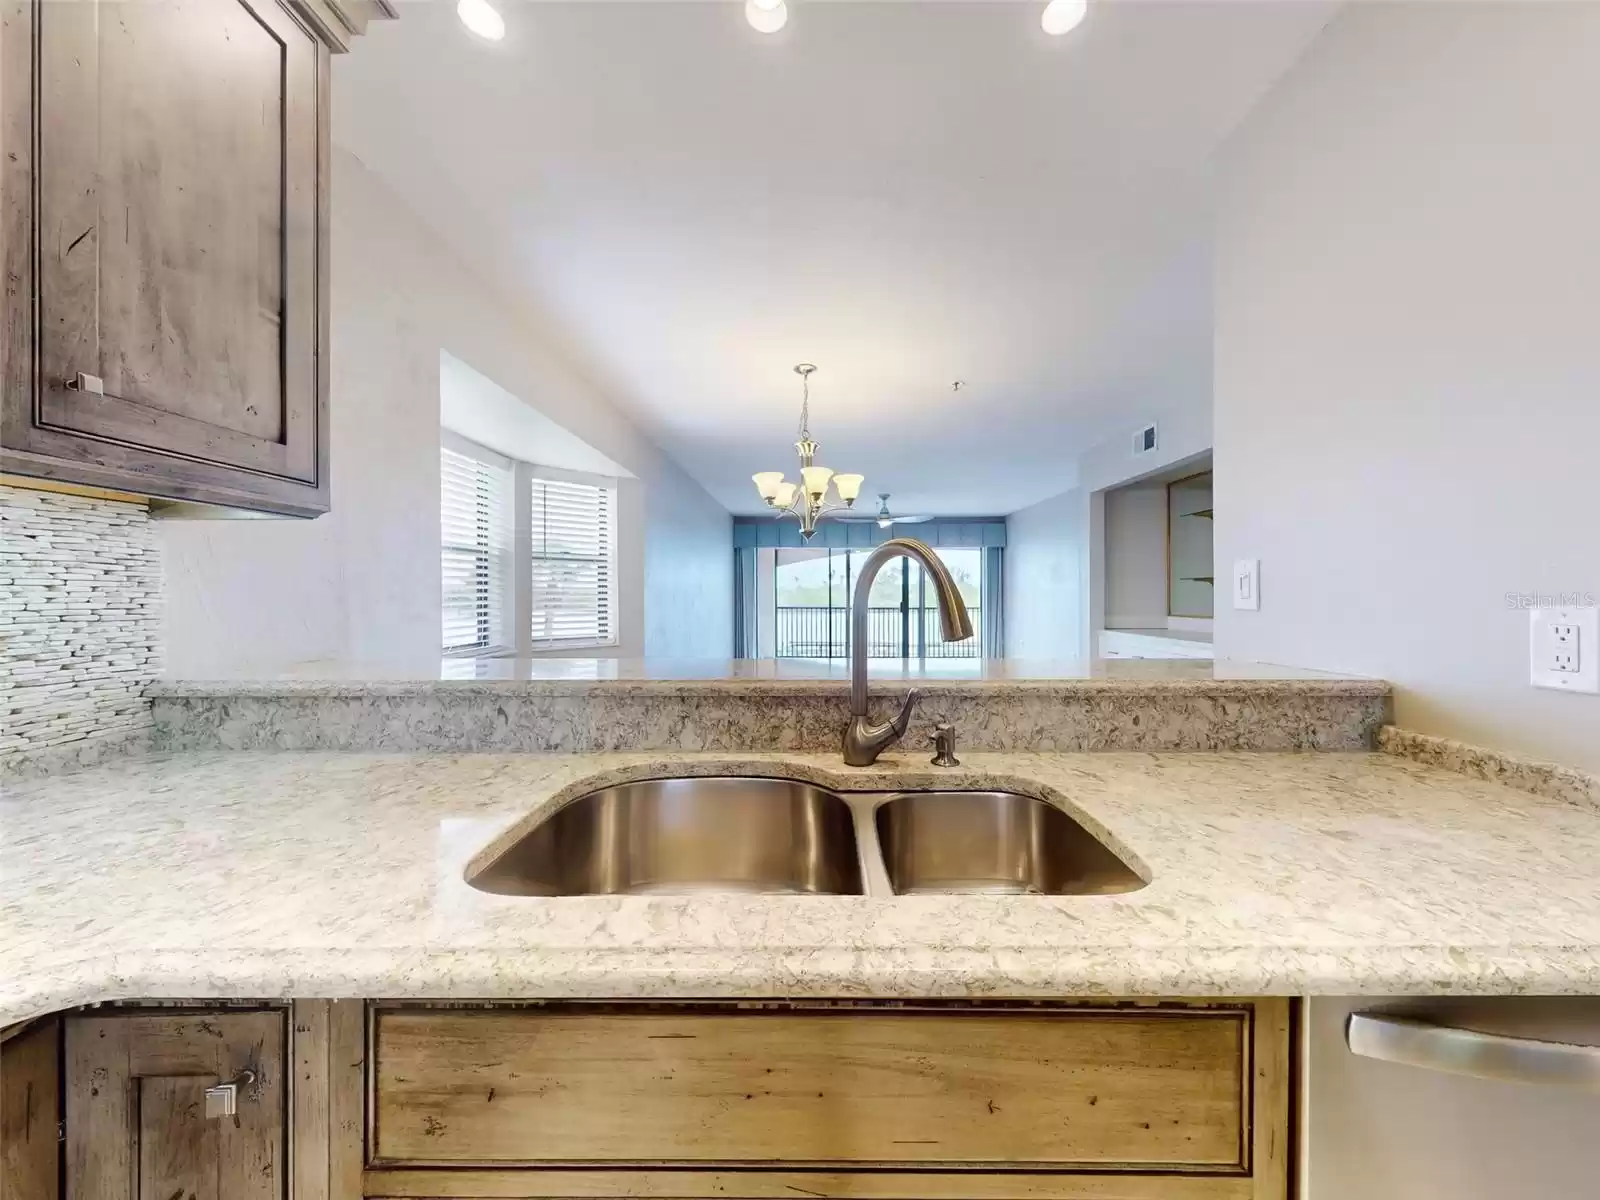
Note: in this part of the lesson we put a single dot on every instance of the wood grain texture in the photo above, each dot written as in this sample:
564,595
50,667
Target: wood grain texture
311,1121
347,1055
329,1040
1272,1109
178,1148
404,1184
179,210
136,1127
191,280
1064,1089
329,22
16,219
100,1151
323,268
69,489
338,22
30,1103
68,232
180,232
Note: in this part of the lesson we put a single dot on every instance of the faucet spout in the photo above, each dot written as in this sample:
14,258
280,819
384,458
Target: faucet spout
863,741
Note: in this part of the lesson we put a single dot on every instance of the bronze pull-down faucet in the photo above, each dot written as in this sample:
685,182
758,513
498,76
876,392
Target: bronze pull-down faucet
864,741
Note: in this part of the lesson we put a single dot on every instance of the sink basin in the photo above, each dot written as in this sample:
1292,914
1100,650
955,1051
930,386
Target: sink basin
685,836
996,842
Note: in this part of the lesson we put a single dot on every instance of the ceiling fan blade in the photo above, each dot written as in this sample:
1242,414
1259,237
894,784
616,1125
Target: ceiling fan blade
879,518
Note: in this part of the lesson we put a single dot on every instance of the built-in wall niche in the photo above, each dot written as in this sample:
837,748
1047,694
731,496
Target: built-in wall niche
1191,570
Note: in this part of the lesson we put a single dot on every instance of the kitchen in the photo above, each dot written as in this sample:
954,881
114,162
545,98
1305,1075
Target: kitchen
247,826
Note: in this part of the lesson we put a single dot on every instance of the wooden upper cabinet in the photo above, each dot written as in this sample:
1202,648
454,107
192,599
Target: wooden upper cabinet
164,197
178,257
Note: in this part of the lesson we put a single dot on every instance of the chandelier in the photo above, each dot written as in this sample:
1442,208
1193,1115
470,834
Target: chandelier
808,500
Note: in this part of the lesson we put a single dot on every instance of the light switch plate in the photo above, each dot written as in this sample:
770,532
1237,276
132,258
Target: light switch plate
1564,648
1247,583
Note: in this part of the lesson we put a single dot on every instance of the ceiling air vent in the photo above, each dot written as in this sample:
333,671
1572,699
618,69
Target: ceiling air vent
1144,440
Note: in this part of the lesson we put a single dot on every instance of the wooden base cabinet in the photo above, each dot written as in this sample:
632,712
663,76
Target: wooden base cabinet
30,1112
140,1124
345,1100
1072,1101
111,1104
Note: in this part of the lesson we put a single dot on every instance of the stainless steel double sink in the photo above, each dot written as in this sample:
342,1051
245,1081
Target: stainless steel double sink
757,835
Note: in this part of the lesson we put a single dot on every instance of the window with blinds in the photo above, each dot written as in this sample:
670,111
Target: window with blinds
573,553
475,551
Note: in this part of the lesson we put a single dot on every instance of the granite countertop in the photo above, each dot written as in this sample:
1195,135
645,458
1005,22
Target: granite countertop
277,874
670,675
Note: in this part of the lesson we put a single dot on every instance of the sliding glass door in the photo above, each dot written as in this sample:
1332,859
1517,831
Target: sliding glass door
811,605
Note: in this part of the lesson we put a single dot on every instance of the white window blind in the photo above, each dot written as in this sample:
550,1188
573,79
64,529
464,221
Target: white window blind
573,555
475,551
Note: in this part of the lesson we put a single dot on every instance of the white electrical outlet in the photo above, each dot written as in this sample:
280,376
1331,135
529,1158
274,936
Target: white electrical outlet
1247,583
1564,648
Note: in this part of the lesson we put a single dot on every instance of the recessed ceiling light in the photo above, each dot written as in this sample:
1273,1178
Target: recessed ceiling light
1063,16
482,19
766,16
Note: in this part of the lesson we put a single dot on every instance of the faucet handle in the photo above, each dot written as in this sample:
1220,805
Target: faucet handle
944,745
903,722
864,741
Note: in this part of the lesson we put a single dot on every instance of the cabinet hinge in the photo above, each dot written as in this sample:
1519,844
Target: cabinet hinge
61,1132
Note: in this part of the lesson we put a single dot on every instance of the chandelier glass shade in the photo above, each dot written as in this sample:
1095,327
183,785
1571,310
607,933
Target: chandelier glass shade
809,500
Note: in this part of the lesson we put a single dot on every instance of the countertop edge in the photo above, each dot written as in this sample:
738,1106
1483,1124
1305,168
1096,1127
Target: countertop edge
1043,973
344,689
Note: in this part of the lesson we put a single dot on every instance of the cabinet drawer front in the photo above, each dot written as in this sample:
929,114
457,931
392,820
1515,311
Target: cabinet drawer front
1059,1089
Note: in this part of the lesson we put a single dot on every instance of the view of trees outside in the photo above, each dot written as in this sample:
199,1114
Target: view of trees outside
803,577
812,597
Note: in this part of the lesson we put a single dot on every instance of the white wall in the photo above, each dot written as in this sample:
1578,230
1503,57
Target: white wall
1046,586
1056,549
766,598
1408,359
361,584
1136,557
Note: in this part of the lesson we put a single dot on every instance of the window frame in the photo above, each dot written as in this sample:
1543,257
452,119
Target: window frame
503,640
515,637
526,475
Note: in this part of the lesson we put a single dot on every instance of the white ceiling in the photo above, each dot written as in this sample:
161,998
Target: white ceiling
903,193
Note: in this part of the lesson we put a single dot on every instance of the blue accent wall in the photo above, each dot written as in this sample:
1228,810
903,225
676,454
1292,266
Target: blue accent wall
767,532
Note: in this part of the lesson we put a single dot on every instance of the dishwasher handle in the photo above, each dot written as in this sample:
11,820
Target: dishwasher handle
1458,1051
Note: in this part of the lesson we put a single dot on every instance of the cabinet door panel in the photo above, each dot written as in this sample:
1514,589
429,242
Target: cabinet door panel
178,240
30,1098
136,1123
178,1150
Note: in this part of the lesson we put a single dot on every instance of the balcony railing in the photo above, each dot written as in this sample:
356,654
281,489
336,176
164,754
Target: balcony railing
815,632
